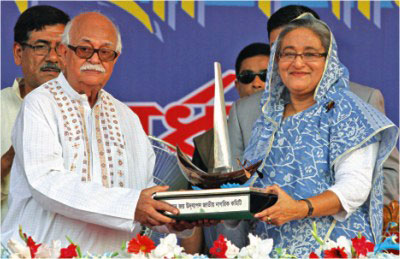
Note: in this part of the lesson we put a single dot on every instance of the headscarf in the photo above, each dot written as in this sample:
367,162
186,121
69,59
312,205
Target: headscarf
338,123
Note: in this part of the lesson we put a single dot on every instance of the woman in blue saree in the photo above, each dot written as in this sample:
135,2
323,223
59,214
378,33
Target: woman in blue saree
322,147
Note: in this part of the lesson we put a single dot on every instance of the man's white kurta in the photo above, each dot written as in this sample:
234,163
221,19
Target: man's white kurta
10,104
78,171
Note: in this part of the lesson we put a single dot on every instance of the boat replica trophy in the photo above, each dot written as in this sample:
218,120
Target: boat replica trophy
223,193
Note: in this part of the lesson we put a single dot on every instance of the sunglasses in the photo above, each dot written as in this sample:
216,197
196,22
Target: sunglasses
86,52
247,76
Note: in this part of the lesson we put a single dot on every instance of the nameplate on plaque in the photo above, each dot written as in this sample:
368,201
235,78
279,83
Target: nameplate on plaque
230,203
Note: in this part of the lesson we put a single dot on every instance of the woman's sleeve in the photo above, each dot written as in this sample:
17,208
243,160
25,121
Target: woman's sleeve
353,178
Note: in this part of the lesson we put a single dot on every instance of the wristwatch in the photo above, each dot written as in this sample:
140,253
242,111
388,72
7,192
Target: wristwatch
310,208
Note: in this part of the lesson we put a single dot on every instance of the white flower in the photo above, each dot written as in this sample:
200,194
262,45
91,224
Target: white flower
18,250
167,248
232,250
244,253
343,241
257,248
44,251
329,244
139,255
17,256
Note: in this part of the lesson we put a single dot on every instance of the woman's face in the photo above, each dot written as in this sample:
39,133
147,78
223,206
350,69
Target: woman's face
301,74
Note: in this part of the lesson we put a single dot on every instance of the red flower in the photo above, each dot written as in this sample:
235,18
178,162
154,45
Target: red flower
140,244
313,255
219,248
69,252
336,252
362,246
33,247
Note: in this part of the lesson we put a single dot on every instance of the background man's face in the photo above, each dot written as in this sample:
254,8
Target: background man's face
274,35
39,69
254,64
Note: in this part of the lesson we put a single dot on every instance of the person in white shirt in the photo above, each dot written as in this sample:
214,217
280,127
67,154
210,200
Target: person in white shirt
83,165
37,33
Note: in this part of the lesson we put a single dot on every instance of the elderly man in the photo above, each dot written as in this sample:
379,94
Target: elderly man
83,164
37,34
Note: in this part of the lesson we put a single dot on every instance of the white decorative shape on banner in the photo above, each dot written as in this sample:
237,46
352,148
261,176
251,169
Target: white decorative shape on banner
347,13
201,13
157,31
103,3
377,13
277,6
171,14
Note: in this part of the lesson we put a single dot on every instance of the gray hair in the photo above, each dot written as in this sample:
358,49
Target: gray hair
66,40
316,26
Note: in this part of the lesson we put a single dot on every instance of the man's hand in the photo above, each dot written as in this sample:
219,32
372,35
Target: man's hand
6,162
147,209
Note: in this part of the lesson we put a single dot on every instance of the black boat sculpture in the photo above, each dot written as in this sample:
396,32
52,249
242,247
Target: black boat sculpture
206,180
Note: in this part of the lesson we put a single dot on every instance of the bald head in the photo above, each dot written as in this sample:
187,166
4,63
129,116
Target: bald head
100,24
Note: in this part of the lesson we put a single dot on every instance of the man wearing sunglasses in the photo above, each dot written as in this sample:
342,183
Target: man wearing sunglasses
83,164
251,69
244,113
37,34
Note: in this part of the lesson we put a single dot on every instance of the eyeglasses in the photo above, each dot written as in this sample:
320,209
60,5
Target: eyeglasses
247,76
86,52
306,57
41,49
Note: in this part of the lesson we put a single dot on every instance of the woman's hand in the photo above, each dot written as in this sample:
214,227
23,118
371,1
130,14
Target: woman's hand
284,210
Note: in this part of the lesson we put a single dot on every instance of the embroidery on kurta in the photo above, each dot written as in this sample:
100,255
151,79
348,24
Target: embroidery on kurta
109,139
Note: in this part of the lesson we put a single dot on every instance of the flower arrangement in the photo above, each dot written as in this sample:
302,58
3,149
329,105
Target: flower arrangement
33,250
357,247
258,248
142,246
